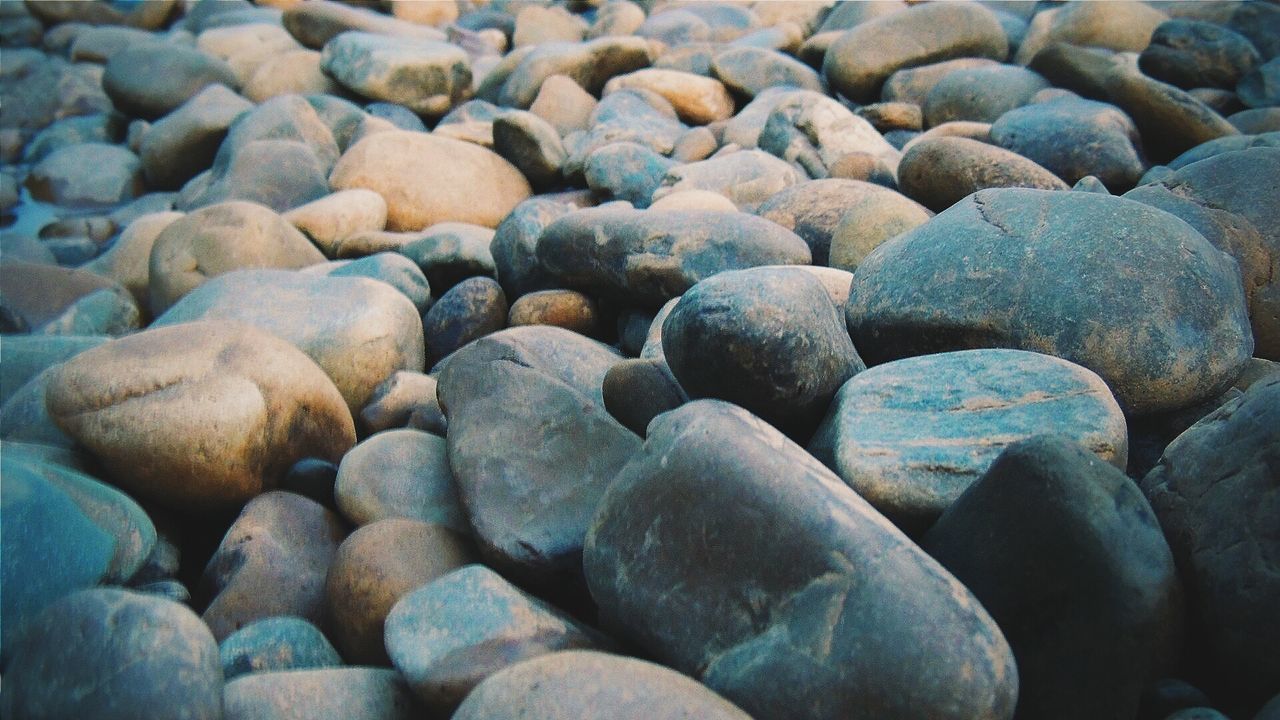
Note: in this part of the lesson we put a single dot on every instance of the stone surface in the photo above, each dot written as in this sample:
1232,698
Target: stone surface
1125,25
747,177
622,688
152,79
184,143
652,256
1171,121
470,310
1073,138
218,239
316,23
52,300
462,627
273,644
766,339
343,693
859,62
1193,54
628,171
199,415
1213,491
530,502
1051,531
514,245
400,473
910,436
427,179
87,176
532,145
749,71
396,399
1261,87
113,654
816,132
1159,314
636,391
336,217
939,172
683,558
980,94
425,76
359,331
272,562
590,64
562,102
568,309
697,99
377,565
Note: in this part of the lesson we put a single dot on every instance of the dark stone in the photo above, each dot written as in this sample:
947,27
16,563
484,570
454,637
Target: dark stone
627,171
106,128
312,478
766,339
532,145
515,242
551,687
1081,70
1130,292
684,558
1261,88
450,252
910,436
152,79
184,143
939,172
276,643
649,257
400,473
980,94
1215,493
399,115
636,391
1196,54
1065,553
1073,138
115,655
1170,120
590,64
471,309
627,115
453,632
1260,22
532,447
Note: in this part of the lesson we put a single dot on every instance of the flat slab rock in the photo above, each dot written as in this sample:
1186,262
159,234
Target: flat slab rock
911,435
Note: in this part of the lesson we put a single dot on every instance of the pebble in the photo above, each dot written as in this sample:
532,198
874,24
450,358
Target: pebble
183,143
329,221
273,644
153,79
698,100
428,77
980,94
470,310
87,176
396,399
400,473
1072,138
1126,25
746,177
940,172
358,693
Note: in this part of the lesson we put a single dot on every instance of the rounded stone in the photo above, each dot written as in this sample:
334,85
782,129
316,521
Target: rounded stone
697,99
747,177
1130,292
749,71
400,473
622,688
767,339
568,309
980,94
347,693
427,179
199,415
377,565
426,76
149,80
939,172
275,643
471,309
1197,54
1122,25
336,217
87,176
453,632
1261,87
396,400
114,654
532,145
1073,138
1171,121
636,391
184,143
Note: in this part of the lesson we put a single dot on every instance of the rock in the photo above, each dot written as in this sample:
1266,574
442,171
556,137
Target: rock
814,627
98,44
26,356
551,688
376,333
153,79
913,84
912,435
274,406
861,60
52,300
1212,490
1195,54
675,27
1073,138
616,17
590,64
872,215
1204,151
532,145
314,24
746,177
1050,530
87,176
637,391
1166,696
890,116
127,261
334,218
149,16
375,566
1228,198
568,309
184,143
748,71
218,239
325,694
627,115
272,562
114,654
1256,120
450,252
698,100
1125,25
535,392
652,256
280,174
1158,315
470,310
245,47
393,269
815,132
427,180
765,339
696,144
536,25
426,76
981,93
1261,87
273,644
514,244
400,474
939,172
51,550
564,104
696,200
450,634
296,72
815,209
628,171
395,401
105,128
1170,120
